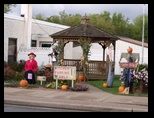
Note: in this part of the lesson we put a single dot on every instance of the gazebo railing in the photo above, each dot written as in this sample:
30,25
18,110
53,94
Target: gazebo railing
73,62
96,70
97,67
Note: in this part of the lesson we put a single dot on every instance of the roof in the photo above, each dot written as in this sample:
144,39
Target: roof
82,30
15,17
133,41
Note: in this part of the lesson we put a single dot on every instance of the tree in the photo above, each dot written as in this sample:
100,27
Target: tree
120,23
7,7
138,25
39,17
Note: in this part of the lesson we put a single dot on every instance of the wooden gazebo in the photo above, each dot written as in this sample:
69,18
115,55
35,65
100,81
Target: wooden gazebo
84,31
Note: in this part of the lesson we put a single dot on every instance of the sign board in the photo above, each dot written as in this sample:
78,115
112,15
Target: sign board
128,64
65,72
41,78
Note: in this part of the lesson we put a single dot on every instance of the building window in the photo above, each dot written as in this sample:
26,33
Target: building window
33,44
46,45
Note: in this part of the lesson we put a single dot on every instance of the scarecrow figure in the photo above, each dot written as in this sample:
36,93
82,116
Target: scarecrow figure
31,68
54,54
130,57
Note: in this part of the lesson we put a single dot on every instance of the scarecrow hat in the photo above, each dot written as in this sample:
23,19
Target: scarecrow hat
32,54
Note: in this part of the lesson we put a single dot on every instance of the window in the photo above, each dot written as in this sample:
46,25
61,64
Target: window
46,45
33,44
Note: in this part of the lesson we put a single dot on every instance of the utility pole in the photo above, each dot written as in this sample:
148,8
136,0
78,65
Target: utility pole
26,12
143,36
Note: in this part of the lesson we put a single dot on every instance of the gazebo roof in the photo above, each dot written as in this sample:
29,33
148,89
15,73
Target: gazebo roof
83,30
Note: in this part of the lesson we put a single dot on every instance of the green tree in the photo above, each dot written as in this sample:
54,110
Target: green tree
7,7
103,22
120,23
54,19
39,17
138,26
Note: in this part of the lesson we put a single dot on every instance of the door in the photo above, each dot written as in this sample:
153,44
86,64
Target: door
12,49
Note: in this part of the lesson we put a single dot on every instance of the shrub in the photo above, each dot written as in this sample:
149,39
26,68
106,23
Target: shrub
45,72
19,75
9,73
17,66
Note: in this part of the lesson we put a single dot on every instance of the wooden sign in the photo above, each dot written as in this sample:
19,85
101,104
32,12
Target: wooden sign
64,73
128,64
41,78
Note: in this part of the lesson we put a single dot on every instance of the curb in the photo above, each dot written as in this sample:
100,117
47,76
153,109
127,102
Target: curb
84,107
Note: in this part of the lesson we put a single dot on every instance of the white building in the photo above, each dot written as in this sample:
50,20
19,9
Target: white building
14,32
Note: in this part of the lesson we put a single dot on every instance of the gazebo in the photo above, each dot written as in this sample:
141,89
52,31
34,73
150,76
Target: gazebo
85,34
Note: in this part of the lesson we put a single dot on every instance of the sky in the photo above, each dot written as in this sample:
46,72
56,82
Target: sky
128,10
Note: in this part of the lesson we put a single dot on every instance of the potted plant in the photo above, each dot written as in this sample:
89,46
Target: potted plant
140,79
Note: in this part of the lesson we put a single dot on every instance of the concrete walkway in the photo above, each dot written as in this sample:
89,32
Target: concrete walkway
94,99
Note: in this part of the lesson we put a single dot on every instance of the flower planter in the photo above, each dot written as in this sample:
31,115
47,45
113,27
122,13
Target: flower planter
141,88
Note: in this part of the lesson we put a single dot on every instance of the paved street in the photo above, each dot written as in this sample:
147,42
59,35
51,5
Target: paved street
19,108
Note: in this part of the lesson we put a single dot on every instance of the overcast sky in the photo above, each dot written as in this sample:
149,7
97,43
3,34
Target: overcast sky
128,10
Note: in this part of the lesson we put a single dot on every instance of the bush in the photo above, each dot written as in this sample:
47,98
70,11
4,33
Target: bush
19,75
9,73
45,72
16,66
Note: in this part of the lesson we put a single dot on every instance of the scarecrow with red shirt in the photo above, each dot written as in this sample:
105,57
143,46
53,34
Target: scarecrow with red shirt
31,68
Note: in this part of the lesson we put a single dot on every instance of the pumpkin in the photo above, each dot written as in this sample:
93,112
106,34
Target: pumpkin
48,65
121,89
64,87
23,83
105,85
81,77
130,50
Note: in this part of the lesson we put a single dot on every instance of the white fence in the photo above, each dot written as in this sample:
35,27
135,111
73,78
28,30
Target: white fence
41,54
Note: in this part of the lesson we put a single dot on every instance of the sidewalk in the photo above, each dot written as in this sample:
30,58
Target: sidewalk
94,100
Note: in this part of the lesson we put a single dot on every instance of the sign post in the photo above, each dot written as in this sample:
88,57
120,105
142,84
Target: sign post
41,78
64,73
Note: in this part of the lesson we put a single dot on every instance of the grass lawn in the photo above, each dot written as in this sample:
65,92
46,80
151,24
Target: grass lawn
114,89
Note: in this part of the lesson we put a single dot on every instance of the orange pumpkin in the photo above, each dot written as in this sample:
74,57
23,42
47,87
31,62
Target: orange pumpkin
105,85
130,50
23,83
48,65
64,87
80,77
121,89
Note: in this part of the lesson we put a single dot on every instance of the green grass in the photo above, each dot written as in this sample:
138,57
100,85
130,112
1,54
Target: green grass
114,89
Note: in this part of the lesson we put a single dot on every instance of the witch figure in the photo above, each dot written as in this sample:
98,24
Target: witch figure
31,68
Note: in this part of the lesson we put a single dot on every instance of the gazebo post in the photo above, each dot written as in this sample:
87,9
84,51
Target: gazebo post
103,53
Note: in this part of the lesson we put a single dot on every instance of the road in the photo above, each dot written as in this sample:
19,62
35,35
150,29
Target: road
19,108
